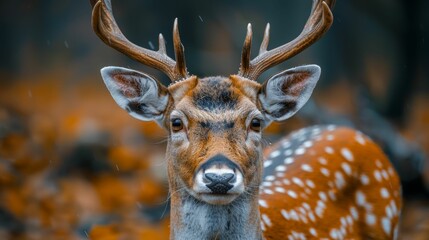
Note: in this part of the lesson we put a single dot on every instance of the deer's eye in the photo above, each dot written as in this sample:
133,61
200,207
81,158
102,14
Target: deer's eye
255,125
176,124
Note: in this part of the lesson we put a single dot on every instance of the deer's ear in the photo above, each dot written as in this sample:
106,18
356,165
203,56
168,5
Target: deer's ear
139,94
285,93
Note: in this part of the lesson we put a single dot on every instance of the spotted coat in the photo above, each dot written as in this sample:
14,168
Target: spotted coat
328,182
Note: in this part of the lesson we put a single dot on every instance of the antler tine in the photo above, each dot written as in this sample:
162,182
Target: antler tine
245,54
105,26
161,45
318,23
266,40
179,51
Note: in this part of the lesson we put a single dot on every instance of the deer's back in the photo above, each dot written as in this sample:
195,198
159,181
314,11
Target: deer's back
328,182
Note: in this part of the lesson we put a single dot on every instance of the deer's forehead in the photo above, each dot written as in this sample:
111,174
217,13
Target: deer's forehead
215,99
215,94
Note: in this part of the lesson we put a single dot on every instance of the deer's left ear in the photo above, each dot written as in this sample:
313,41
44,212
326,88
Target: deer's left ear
139,94
285,93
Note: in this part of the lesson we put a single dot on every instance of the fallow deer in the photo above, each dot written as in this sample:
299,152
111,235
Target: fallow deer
320,182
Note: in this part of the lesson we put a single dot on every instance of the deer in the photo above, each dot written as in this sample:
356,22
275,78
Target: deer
318,182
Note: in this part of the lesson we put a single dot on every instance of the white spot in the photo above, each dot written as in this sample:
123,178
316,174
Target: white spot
395,232
266,220
343,221
286,144
281,168
343,232
322,161
384,193
277,183
389,212
288,152
275,154
334,233
292,194
293,215
329,150
360,198
298,181
394,208
339,180
267,163
345,152
359,138
384,174
267,184
288,160
280,174
323,196
330,137
377,175
370,219
280,190
354,213
306,206
313,232
285,214
300,151
268,191
270,178
307,190
331,127
347,169
391,171
310,183
303,218
315,131
263,203
385,222
378,163
263,226
349,220
307,144
364,179
332,196
321,204
286,181
319,211
325,172
311,217
306,168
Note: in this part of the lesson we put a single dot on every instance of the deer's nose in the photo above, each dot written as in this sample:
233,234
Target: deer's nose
219,174
219,183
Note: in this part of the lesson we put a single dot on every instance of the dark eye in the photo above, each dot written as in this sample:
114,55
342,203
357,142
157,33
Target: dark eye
255,125
176,124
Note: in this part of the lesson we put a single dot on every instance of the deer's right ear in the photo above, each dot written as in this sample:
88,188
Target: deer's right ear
139,94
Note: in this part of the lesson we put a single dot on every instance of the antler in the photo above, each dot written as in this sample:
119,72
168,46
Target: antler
106,28
318,23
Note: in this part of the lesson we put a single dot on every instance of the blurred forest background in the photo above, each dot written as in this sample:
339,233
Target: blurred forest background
73,165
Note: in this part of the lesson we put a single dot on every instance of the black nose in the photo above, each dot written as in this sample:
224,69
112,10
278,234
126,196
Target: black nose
219,184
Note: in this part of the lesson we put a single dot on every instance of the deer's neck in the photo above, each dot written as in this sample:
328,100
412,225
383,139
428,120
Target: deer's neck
192,219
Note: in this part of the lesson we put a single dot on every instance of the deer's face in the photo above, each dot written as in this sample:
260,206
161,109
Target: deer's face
215,124
215,137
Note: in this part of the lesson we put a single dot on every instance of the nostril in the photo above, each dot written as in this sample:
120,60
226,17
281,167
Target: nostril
228,177
211,177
